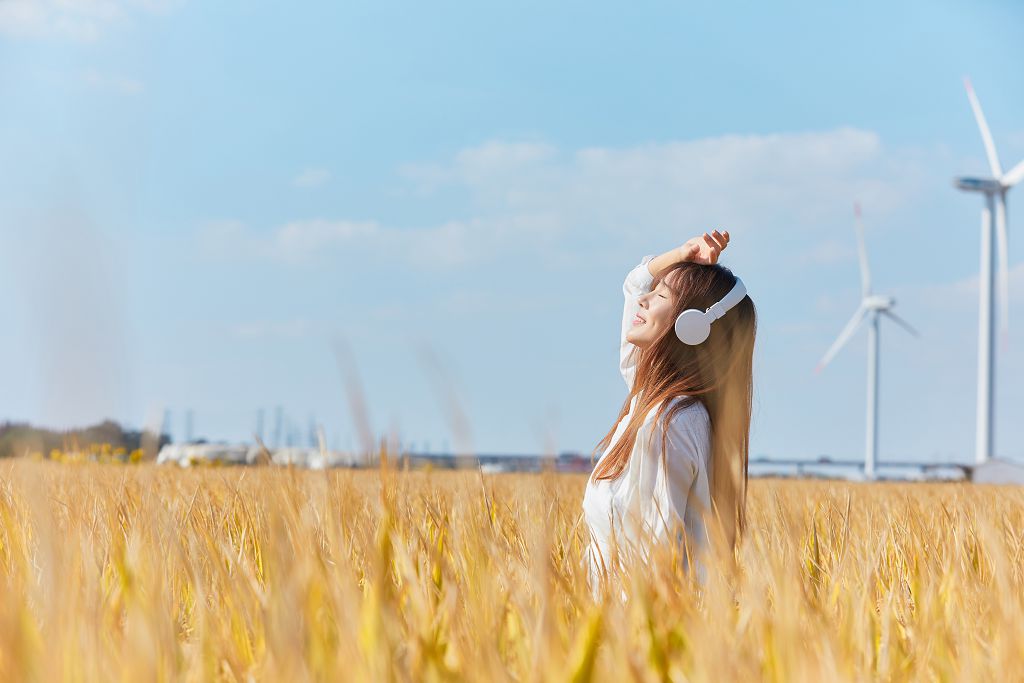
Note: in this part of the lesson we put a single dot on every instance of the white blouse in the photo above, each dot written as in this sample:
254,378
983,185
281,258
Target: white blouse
653,490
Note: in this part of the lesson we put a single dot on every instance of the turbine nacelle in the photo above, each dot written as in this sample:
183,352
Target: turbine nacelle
878,302
971,184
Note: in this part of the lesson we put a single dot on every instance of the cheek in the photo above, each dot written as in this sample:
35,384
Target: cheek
662,312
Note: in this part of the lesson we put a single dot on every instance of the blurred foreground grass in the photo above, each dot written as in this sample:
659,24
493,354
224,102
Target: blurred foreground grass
143,573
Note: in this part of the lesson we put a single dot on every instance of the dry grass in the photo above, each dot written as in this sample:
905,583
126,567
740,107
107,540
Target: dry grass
140,573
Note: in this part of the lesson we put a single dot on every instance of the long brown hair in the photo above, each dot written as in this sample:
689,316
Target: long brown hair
717,373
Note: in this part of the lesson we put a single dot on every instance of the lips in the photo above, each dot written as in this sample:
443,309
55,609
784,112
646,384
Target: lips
638,319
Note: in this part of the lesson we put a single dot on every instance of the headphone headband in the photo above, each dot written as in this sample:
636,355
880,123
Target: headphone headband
693,325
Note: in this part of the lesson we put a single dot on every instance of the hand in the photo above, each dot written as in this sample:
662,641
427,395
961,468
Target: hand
704,249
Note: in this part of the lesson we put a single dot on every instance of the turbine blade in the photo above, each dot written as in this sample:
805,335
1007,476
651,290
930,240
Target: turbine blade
1004,267
843,337
900,321
1014,175
862,251
986,136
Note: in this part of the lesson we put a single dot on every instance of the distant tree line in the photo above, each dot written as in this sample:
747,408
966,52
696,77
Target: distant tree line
21,438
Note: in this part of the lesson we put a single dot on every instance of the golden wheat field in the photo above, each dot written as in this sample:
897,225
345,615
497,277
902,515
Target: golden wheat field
146,573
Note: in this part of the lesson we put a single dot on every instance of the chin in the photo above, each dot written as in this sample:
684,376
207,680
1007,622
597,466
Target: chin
632,339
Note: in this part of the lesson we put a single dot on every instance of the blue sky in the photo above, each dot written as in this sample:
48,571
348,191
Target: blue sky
199,198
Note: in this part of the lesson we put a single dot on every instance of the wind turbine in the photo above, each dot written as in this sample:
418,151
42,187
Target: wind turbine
871,306
993,221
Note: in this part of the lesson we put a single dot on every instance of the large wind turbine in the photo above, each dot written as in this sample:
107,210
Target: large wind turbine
993,221
871,305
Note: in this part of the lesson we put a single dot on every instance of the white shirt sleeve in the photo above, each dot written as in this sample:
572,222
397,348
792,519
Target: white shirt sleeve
637,282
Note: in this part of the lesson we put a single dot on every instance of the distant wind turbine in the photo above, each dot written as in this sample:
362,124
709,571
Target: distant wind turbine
873,305
993,220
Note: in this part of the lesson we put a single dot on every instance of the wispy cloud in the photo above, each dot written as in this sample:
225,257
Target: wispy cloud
312,177
76,20
752,182
453,305
488,165
119,84
532,198
452,243
294,242
300,240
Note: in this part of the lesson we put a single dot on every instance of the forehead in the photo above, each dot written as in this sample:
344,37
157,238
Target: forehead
660,281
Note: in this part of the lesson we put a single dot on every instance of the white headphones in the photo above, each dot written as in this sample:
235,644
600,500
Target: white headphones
693,326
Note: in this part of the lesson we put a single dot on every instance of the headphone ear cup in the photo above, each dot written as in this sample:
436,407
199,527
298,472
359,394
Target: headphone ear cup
692,326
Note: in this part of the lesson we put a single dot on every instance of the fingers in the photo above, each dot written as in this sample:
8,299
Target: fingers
714,243
713,248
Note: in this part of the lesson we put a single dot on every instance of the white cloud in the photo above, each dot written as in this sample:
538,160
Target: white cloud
299,240
454,305
75,20
491,163
312,177
531,198
452,243
293,243
751,181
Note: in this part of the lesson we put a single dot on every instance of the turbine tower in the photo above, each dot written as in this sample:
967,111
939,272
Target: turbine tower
871,305
993,223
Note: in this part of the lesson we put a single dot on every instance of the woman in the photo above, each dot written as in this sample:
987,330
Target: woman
677,458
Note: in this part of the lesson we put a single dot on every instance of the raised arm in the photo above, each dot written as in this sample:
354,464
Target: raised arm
704,249
638,281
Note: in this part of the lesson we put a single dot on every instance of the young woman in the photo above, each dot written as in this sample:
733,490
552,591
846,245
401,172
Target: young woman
677,458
